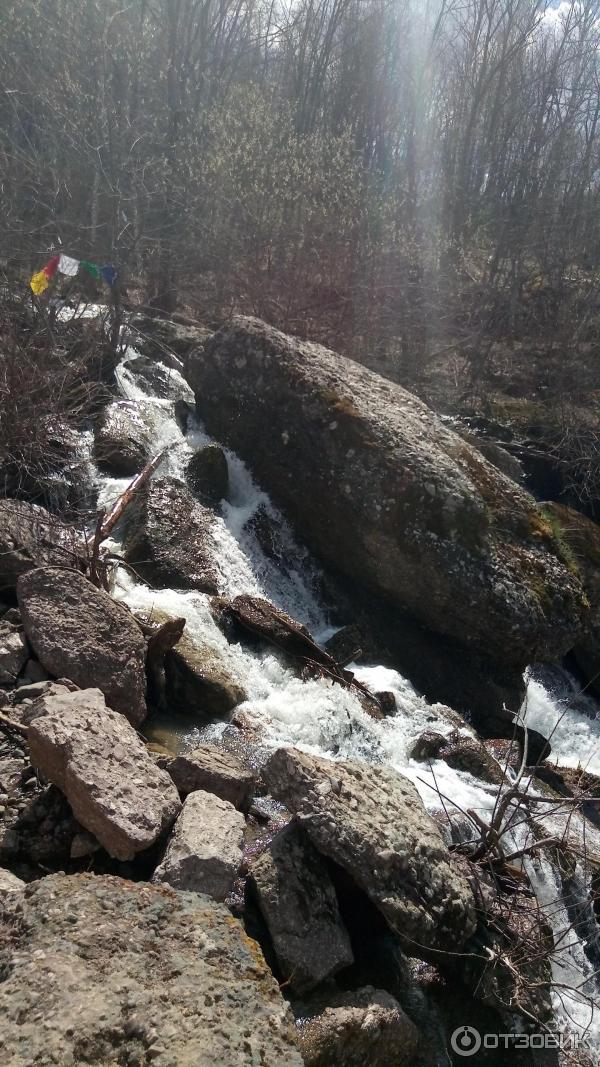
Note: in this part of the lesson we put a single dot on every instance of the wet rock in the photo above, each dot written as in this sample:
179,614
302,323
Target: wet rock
371,821
101,970
345,644
123,439
460,751
79,632
365,1028
204,852
97,760
14,653
31,537
207,474
199,681
581,537
168,538
414,513
298,903
160,377
215,771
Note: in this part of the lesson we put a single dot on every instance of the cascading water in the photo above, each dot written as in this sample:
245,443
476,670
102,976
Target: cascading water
326,718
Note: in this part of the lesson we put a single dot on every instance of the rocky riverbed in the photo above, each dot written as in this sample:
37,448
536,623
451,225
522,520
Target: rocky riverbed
243,818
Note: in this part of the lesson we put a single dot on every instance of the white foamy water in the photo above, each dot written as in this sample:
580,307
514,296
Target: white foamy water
323,717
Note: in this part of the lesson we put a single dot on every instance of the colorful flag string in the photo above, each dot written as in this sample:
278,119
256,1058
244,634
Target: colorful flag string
69,266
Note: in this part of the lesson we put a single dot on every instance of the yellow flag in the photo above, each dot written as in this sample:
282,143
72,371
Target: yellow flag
39,283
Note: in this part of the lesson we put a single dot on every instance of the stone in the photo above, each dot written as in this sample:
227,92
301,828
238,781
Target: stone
168,538
33,674
372,823
414,513
79,632
9,885
364,1028
198,680
215,771
345,644
30,537
460,751
104,971
14,653
123,438
95,757
581,537
204,852
207,474
298,902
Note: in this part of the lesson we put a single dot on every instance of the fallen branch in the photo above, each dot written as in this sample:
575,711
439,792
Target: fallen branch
17,726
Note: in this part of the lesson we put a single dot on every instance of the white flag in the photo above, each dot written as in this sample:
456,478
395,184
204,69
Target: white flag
67,265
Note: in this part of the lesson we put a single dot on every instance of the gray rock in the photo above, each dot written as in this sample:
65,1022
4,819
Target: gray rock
298,903
123,438
214,770
365,1028
79,632
204,852
371,821
414,513
9,885
581,540
199,681
97,760
168,538
207,474
14,653
33,674
105,971
31,537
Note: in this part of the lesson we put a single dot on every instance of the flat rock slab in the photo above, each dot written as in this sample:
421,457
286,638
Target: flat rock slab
79,632
214,770
204,852
372,822
110,972
97,760
298,902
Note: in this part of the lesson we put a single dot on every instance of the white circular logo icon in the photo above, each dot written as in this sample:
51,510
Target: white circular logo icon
465,1041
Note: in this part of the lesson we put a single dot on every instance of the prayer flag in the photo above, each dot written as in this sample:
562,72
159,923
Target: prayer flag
39,282
109,273
69,266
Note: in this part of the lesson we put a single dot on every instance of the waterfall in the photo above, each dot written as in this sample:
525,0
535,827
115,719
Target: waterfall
327,719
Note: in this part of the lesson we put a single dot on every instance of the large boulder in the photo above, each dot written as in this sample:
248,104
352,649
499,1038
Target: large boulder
79,632
213,769
168,538
298,902
123,438
364,1028
30,537
372,823
382,490
581,538
104,971
204,852
97,760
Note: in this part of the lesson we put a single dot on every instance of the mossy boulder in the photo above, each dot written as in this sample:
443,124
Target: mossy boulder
383,491
581,543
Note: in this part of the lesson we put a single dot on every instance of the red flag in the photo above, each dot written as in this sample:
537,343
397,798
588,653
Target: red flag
51,267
